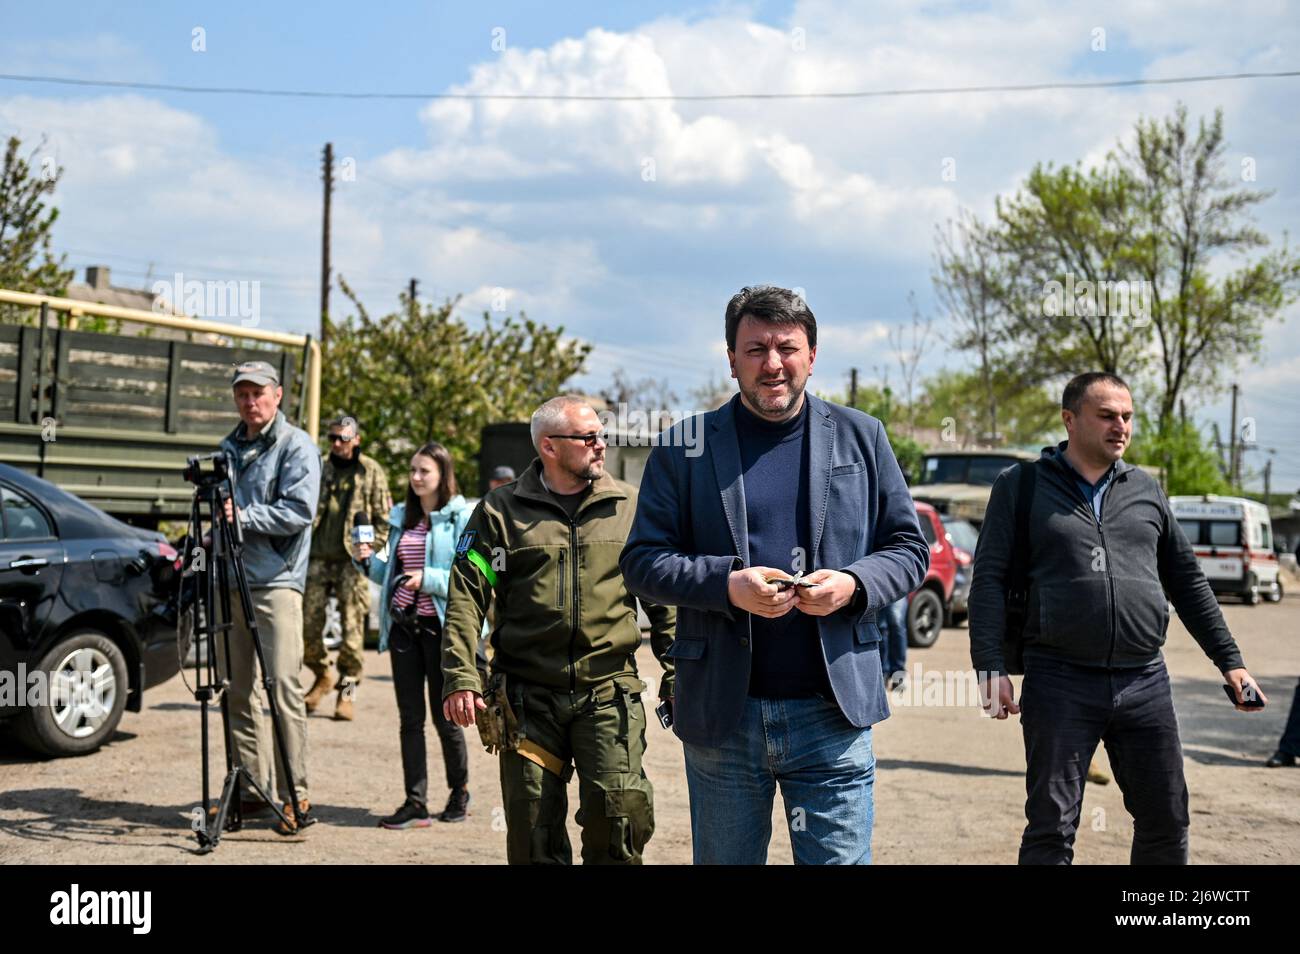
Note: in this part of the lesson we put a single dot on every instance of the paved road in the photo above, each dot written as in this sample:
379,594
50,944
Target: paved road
950,787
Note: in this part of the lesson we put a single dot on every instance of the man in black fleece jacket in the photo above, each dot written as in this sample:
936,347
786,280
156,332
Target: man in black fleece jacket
1104,550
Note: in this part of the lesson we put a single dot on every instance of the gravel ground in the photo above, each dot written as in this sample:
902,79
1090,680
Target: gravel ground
950,783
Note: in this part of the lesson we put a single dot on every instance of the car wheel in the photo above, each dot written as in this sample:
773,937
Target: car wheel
86,688
924,619
1275,594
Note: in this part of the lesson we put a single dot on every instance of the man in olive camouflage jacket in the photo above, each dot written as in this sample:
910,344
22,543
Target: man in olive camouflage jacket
351,483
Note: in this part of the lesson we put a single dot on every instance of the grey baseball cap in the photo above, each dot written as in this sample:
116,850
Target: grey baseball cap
503,473
259,372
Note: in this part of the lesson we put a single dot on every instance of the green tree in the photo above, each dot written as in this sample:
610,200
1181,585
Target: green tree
1190,217
1191,465
954,402
1140,266
27,262
970,279
881,403
420,374
1057,241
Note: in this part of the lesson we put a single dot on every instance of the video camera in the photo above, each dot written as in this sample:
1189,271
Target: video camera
206,470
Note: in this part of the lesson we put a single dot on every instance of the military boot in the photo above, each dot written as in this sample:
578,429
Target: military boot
347,692
323,684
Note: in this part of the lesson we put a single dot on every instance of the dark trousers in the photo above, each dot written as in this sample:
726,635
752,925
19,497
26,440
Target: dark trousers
417,661
1290,743
599,731
1065,710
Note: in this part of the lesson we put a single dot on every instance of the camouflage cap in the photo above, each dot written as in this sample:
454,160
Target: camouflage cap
259,372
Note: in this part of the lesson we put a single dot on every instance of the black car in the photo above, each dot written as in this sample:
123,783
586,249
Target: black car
86,613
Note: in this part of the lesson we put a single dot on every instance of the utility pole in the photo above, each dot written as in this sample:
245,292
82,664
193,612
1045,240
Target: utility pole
853,387
1218,449
327,174
1268,482
410,298
1232,445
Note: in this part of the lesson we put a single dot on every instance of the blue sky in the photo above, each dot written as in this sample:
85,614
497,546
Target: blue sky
548,207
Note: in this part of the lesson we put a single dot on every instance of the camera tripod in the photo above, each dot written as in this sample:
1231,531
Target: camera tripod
222,555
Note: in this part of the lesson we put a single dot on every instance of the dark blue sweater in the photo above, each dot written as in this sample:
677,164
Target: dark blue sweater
787,654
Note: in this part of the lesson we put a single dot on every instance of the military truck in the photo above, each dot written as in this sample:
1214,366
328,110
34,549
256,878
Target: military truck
958,483
112,417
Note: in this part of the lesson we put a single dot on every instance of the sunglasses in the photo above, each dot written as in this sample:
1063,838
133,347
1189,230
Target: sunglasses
589,440
339,438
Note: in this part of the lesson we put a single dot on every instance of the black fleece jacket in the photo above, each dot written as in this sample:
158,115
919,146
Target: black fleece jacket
1097,590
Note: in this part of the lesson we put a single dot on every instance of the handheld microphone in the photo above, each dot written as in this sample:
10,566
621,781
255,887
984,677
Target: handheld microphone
363,532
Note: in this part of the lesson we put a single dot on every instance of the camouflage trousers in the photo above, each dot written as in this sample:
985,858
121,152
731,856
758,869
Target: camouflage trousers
602,732
350,586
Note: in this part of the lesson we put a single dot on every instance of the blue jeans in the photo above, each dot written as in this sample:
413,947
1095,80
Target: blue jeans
893,632
824,766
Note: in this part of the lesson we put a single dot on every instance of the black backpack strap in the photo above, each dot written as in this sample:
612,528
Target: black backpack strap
1018,577
1017,600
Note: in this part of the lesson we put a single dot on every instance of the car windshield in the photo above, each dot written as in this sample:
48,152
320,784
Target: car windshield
962,534
980,469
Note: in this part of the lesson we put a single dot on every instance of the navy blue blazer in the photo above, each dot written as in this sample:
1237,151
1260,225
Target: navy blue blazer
691,532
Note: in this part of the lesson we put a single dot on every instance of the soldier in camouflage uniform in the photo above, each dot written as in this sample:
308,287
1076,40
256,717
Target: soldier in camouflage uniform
564,690
351,483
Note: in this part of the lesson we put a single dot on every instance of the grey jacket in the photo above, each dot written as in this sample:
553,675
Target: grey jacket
277,484
1097,591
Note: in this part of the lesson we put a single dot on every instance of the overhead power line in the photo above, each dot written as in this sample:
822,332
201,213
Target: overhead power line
643,97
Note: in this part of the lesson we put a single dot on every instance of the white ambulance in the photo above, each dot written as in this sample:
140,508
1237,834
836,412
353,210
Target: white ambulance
1233,540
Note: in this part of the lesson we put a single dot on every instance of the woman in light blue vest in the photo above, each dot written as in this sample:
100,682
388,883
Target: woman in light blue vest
413,573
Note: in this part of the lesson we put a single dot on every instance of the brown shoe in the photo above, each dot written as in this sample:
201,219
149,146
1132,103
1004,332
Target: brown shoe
289,827
323,684
1096,775
343,708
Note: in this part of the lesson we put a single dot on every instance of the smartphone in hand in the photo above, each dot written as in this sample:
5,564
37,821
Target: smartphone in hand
1251,700
665,713
785,584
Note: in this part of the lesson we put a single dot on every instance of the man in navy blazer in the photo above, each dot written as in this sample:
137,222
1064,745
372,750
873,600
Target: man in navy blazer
778,544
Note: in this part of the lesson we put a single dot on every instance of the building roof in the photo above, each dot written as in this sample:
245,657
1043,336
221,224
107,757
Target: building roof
98,288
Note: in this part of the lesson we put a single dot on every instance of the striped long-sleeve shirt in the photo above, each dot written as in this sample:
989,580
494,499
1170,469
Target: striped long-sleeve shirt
410,555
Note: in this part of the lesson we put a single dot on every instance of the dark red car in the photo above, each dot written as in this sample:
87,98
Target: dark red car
930,606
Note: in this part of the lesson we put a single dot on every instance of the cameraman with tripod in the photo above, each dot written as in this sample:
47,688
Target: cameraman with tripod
276,468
